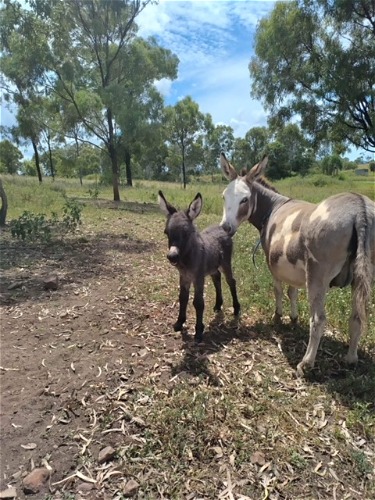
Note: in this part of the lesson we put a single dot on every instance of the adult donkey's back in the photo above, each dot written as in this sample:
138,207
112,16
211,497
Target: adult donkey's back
307,245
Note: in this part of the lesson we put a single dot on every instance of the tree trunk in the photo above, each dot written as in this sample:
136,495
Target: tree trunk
113,156
129,180
4,204
115,172
50,158
37,164
183,167
77,155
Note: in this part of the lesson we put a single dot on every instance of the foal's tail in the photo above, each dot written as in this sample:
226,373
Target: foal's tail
362,275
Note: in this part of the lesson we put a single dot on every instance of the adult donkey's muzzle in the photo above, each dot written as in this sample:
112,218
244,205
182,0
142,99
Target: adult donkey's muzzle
173,255
228,228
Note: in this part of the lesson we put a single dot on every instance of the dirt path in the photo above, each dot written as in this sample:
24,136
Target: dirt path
86,366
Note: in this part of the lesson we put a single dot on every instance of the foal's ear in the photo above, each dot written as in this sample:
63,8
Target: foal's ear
164,205
257,170
228,169
195,207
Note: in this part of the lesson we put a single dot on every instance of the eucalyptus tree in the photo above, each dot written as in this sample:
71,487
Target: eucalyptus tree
242,153
89,43
218,138
10,157
257,139
316,60
299,155
140,107
186,125
23,38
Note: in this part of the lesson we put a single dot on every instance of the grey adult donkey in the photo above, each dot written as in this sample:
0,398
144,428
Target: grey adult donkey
307,245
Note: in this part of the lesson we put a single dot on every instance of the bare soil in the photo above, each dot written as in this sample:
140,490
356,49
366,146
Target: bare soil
96,363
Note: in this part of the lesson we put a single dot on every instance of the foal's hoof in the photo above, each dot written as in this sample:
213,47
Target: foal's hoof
199,335
237,312
198,338
177,327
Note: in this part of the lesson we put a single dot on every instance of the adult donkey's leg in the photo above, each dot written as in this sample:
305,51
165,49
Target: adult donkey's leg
316,290
216,278
183,299
228,273
198,303
278,291
357,321
293,297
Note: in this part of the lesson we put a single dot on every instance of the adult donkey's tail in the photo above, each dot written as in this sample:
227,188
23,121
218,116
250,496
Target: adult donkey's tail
362,277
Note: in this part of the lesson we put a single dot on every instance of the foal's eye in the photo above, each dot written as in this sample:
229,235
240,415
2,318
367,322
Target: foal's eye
244,200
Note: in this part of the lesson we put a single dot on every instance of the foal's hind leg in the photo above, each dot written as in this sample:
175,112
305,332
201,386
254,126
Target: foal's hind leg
228,273
216,278
198,303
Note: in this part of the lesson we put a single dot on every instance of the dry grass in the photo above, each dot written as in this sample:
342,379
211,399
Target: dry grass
226,419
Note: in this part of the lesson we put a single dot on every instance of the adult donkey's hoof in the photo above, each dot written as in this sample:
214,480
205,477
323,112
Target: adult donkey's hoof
277,319
302,368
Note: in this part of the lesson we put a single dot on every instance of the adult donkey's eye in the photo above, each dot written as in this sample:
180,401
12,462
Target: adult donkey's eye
244,200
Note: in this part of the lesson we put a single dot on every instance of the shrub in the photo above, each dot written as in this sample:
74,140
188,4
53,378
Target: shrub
320,182
37,227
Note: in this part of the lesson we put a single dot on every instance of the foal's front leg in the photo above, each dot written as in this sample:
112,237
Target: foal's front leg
183,299
227,269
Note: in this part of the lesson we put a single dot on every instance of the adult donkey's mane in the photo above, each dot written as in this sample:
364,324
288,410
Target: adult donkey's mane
265,183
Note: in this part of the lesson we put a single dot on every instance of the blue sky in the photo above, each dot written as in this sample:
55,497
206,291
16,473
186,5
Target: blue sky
214,41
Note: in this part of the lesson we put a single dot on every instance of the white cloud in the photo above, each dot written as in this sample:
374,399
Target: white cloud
213,41
164,86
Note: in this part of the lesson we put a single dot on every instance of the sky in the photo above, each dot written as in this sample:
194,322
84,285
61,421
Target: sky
214,41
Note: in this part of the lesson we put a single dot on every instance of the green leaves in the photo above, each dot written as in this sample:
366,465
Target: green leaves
316,62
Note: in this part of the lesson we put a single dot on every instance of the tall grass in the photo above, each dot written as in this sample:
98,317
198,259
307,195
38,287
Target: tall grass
25,193
255,282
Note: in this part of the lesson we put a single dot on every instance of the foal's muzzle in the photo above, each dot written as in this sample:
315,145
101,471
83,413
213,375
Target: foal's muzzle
173,255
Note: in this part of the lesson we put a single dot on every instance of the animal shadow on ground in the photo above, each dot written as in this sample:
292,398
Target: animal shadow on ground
216,336
351,384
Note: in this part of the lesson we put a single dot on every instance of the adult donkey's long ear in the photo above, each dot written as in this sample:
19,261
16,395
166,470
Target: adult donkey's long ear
195,207
164,205
257,170
228,169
